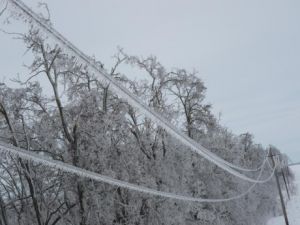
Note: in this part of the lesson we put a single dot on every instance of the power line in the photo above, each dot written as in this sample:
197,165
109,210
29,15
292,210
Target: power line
122,92
37,158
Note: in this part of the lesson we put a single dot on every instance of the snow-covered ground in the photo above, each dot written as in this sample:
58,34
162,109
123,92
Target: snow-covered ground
293,206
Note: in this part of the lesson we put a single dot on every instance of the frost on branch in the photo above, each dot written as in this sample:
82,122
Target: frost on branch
79,120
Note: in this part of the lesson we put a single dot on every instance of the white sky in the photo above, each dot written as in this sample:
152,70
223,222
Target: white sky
247,52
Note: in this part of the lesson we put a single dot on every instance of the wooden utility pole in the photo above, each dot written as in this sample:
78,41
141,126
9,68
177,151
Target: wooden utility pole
279,190
285,183
287,174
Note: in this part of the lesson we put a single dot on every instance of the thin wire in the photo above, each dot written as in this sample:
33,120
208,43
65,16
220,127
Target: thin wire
28,155
122,92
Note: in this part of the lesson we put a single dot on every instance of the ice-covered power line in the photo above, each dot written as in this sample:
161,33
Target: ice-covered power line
37,158
122,92
240,168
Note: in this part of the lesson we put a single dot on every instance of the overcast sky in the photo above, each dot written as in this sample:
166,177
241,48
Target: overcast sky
247,52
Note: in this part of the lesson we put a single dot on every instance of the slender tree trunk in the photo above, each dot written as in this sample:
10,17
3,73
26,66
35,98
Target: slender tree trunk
3,216
24,166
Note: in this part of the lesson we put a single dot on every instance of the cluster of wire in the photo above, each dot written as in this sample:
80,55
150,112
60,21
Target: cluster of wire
134,101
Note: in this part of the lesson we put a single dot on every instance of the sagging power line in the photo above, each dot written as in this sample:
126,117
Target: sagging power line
30,156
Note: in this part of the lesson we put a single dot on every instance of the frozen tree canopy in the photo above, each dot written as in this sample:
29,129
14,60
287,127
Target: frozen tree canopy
81,121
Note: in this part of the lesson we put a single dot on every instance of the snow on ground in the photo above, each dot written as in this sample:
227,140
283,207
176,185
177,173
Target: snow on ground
293,206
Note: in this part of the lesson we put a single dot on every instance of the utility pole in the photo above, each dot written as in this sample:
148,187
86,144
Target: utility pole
285,183
287,175
279,190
